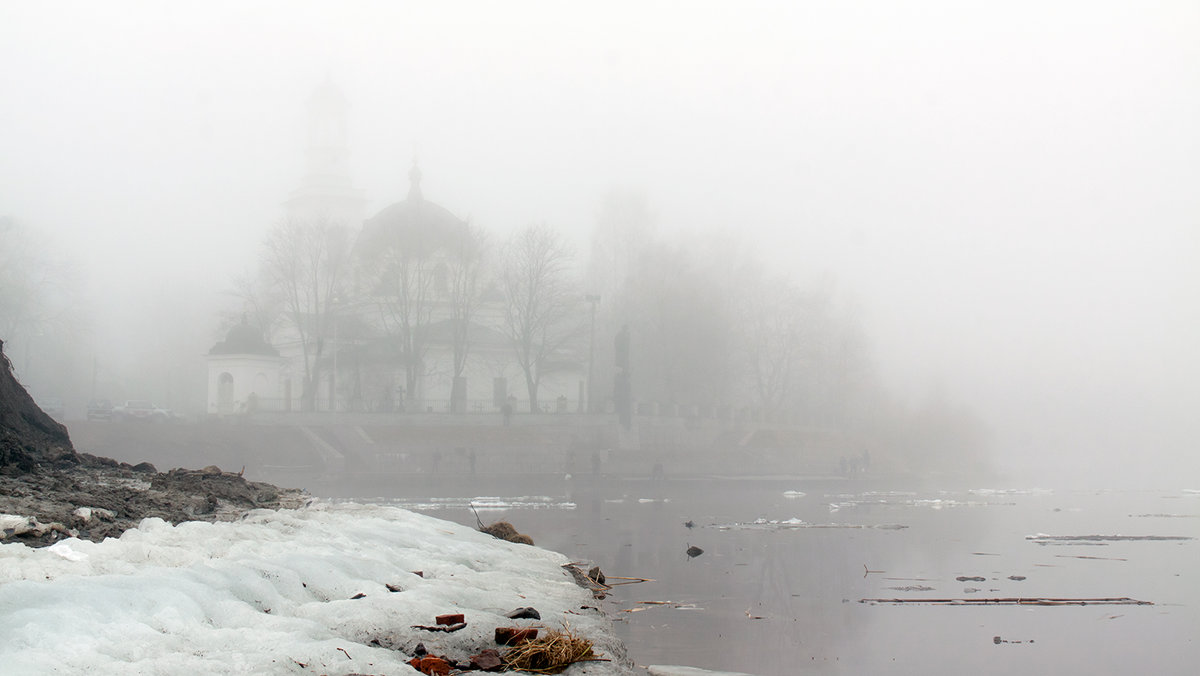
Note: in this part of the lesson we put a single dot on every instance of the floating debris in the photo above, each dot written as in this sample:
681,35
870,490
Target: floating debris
694,551
1095,558
913,588
997,640
674,605
970,578
1043,539
794,494
581,578
1117,601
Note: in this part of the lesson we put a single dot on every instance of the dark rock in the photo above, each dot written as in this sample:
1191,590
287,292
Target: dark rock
487,660
596,575
514,635
525,613
430,665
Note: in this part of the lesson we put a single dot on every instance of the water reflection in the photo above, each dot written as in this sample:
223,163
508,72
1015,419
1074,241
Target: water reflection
778,588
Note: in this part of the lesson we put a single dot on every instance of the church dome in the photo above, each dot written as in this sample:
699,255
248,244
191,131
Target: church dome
414,225
244,339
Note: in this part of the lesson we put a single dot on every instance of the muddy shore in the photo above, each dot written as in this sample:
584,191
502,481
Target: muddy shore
99,498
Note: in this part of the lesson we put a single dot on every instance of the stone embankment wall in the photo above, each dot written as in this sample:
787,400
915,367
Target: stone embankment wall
349,445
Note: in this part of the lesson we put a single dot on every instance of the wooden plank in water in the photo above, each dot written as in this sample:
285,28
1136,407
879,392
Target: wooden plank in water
1018,601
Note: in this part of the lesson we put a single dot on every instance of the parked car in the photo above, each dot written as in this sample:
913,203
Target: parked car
99,409
140,409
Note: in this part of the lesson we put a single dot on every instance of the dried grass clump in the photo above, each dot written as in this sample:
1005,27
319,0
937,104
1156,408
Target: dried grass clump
506,531
550,654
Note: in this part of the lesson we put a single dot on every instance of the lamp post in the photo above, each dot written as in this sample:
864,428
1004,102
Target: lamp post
594,300
333,376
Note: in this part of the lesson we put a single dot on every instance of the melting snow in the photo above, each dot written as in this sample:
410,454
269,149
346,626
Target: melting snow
272,594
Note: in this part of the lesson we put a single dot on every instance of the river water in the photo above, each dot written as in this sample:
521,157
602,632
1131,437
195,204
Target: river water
789,566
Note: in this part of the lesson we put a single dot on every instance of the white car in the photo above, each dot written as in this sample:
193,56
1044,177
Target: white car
140,409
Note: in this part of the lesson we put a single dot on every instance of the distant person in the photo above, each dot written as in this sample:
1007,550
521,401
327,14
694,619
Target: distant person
507,411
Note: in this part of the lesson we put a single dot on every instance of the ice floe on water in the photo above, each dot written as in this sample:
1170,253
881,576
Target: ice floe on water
1010,491
327,589
948,499
480,503
794,494
796,524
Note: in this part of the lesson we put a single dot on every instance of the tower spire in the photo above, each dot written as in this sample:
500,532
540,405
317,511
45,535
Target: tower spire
414,182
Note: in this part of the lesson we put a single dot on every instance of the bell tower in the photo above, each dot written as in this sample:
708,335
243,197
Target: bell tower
326,190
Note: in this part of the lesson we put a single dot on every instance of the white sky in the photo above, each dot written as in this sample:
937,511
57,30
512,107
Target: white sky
1007,191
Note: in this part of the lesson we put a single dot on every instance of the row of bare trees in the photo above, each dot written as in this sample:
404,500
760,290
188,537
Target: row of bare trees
708,325
711,326
395,285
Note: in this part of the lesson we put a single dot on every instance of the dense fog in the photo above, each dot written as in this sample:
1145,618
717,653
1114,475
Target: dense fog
995,200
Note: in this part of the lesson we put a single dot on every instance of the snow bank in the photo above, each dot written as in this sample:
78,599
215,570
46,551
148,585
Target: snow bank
274,594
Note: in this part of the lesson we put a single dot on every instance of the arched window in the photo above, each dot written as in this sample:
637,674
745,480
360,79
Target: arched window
225,392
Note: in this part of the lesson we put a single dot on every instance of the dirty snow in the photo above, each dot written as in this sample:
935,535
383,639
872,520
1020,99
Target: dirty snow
273,594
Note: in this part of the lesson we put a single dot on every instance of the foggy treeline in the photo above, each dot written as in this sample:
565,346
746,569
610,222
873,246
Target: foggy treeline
711,330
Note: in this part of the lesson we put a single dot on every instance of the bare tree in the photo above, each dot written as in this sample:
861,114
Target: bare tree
306,260
402,270
37,291
772,320
43,317
260,301
466,282
539,301
680,313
